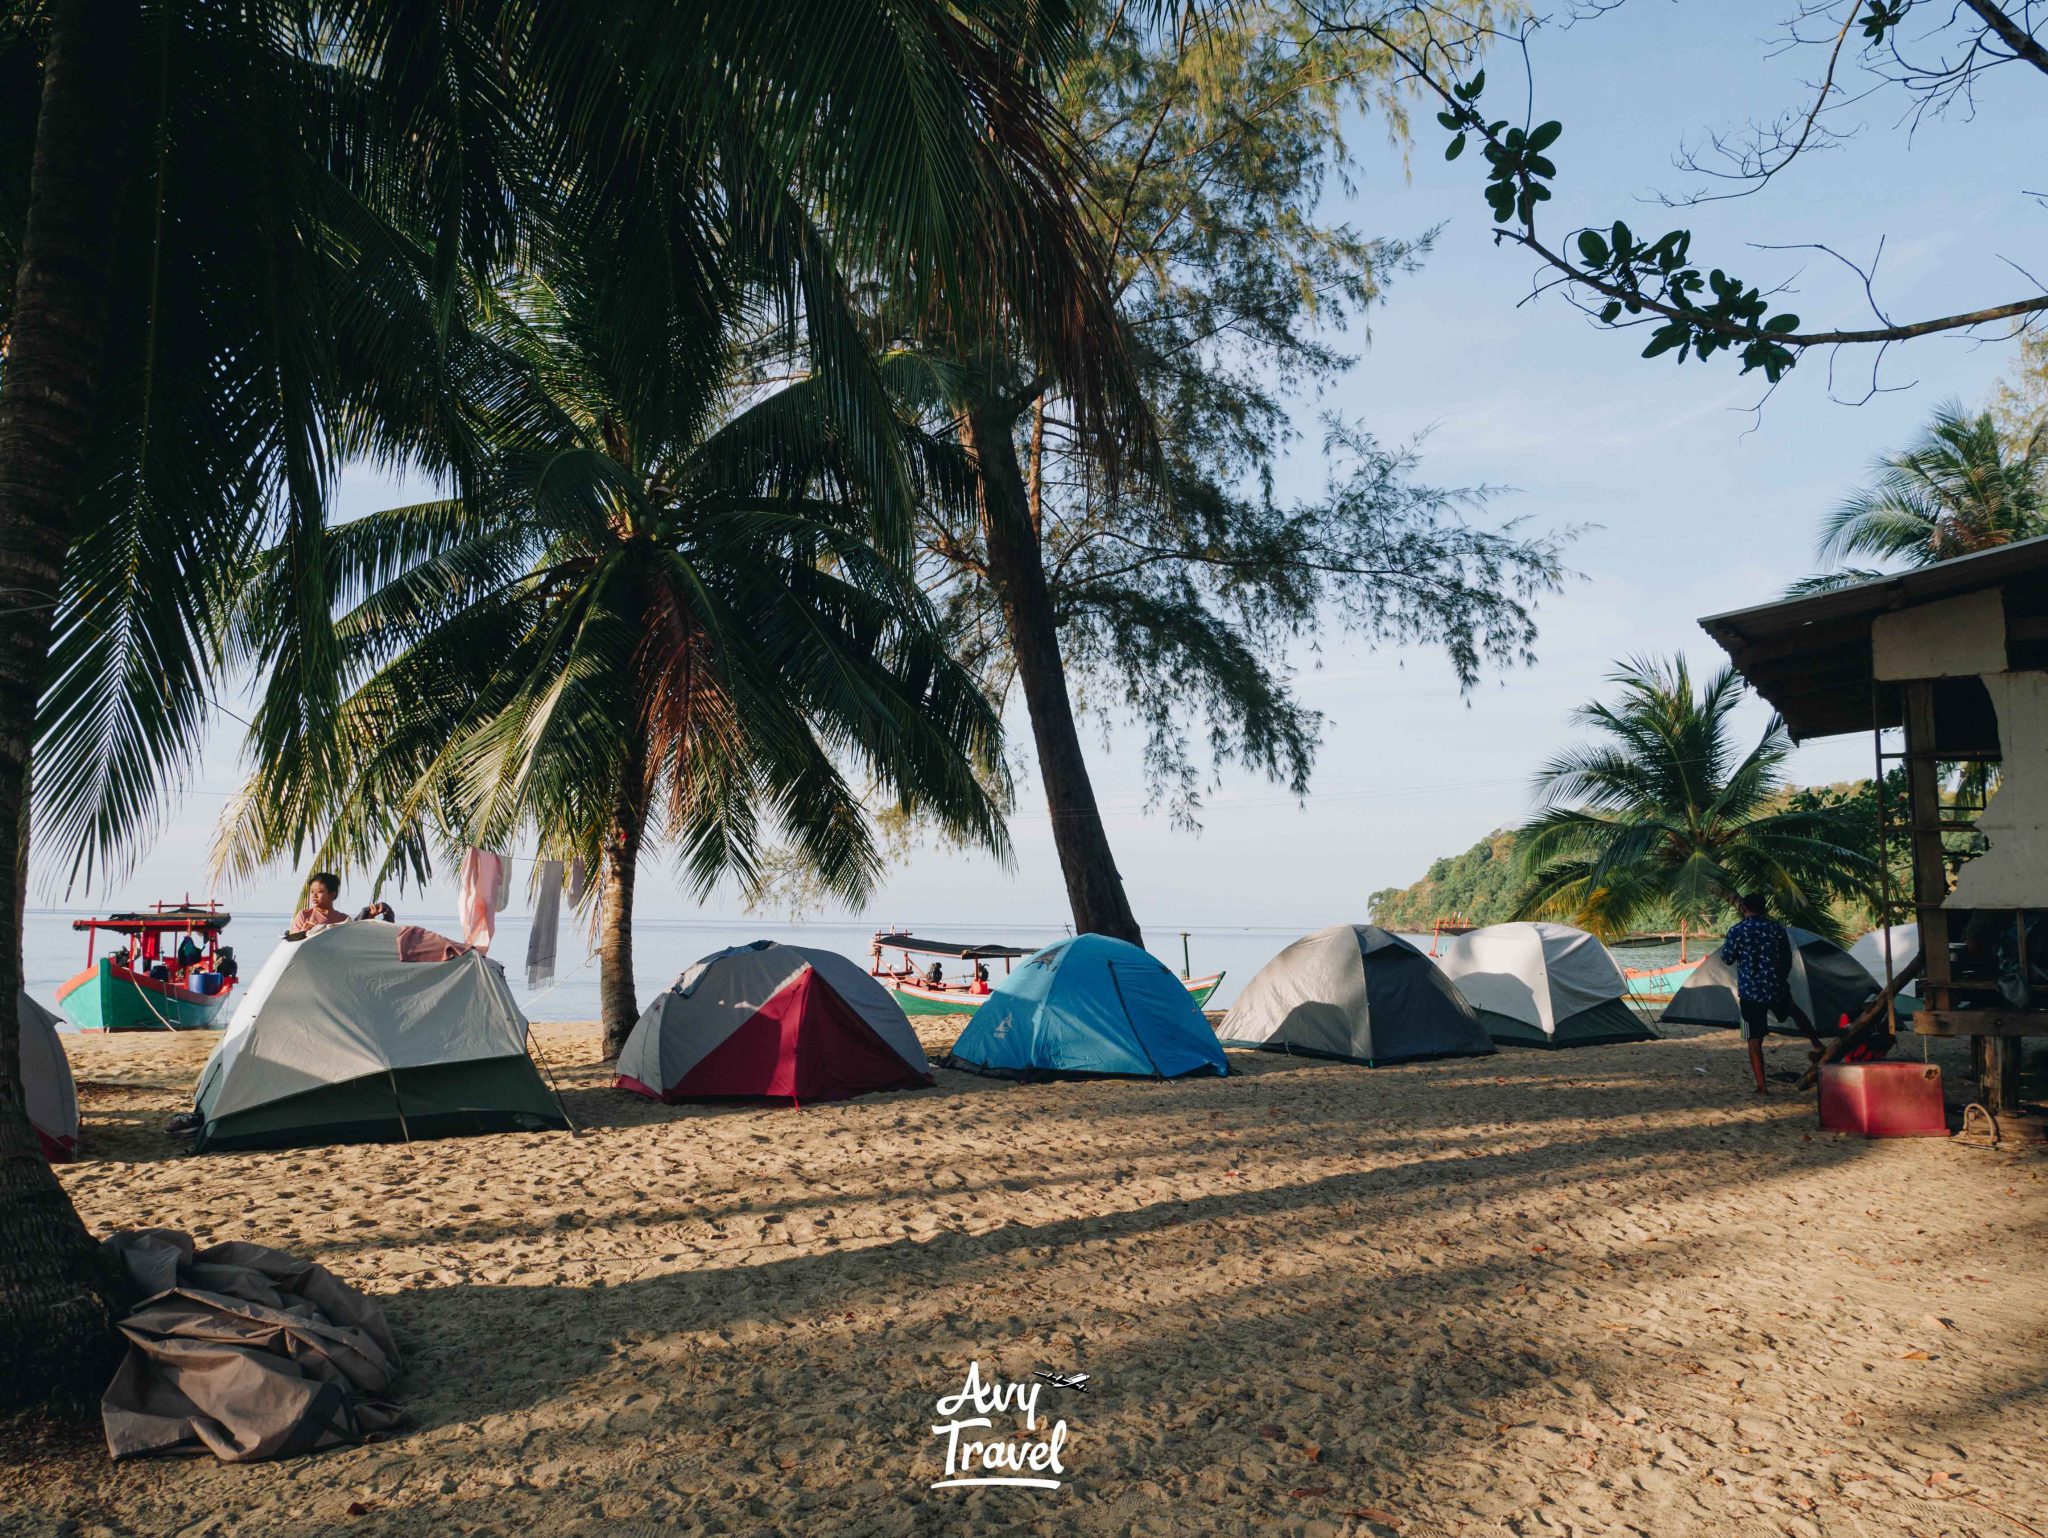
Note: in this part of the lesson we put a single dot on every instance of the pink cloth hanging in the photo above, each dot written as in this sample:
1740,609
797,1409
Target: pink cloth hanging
486,886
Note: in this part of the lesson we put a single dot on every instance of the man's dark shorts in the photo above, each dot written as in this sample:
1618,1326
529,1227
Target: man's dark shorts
1756,1020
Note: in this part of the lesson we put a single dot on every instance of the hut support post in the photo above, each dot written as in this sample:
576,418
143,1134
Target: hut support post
1930,871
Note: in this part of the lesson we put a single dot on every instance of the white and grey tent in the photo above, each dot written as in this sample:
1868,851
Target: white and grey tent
1543,985
1905,941
371,1033
46,1081
1827,983
1356,993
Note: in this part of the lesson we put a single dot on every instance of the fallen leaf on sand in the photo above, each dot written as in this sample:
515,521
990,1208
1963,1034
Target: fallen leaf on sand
1313,1453
1374,1514
1308,1490
1916,1356
1937,1479
1935,1321
361,1509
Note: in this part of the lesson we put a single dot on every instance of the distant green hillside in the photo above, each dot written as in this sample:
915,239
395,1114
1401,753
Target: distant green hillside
1480,885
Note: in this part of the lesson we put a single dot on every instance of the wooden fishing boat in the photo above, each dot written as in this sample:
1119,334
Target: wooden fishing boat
1662,982
1452,926
170,975
928,991
1658,982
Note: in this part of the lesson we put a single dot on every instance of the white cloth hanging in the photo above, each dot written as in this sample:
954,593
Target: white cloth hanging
486,888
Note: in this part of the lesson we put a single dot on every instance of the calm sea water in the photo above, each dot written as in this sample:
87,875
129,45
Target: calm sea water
52,952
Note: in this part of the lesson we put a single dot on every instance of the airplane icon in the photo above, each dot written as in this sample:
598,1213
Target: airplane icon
1077,1380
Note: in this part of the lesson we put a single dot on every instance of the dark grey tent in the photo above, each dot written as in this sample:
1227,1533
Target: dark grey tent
1827,982
1358,994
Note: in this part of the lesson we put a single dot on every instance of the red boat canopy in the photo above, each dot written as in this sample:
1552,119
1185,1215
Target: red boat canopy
947,948
179,919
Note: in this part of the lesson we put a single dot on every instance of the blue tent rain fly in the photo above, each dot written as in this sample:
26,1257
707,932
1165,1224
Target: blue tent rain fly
1085,1007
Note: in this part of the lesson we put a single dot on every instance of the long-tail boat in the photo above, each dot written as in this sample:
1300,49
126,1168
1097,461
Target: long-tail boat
171,973
1662,982
928,991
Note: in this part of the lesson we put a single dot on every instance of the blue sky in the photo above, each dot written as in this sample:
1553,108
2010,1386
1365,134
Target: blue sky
1700,505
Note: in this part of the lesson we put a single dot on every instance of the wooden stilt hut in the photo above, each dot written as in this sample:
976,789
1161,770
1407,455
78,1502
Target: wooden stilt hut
1955,657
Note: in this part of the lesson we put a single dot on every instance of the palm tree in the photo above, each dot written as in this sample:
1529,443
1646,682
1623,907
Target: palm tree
1964,487
1664,818
303,193
666,615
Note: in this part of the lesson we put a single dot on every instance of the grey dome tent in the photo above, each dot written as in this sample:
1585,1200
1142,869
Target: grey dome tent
372,1032
1905,942
1827,982
769,1021
1355,993
1543,985
46,1081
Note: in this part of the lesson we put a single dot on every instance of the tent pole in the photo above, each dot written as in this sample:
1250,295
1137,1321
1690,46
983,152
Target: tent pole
397,1104
549,1069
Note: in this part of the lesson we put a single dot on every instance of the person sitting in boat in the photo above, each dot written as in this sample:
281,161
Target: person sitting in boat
226,965
320,910
379,909
935,975
981,977
189,952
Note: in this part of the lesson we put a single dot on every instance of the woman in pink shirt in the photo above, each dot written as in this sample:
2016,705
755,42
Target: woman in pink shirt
326,886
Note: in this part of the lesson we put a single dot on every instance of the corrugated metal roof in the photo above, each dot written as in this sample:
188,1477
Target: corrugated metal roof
1810,656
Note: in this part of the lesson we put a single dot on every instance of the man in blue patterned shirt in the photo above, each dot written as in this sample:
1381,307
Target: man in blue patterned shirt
1761,953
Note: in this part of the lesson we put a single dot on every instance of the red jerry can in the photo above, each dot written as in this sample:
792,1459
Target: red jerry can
1883,1099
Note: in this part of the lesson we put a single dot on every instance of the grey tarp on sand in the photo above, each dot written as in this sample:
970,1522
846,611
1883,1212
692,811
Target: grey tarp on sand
244,1352
1355,992
1827,982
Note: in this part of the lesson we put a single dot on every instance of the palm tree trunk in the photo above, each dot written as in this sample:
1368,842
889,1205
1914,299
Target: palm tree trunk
618,1004
1016,566
58,1289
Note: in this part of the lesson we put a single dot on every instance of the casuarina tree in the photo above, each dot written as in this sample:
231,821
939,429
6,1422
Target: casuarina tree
1166,584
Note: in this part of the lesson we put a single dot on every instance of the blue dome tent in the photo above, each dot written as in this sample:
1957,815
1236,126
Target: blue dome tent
1089,1006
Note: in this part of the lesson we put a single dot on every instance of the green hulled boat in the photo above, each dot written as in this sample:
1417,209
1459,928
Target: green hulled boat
171,975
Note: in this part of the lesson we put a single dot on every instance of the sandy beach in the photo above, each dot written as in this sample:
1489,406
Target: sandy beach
1603,1291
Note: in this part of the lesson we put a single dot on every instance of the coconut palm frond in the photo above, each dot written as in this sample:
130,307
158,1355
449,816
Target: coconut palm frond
1660,818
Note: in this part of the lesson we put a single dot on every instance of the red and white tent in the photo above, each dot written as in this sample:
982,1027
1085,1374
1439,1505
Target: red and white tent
46,1082
776,1022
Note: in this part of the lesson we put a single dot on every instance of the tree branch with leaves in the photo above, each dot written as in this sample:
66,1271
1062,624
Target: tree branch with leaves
1625,280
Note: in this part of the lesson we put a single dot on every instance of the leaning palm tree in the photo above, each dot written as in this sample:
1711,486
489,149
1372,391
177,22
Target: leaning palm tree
1964,487
667,615
1665,818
